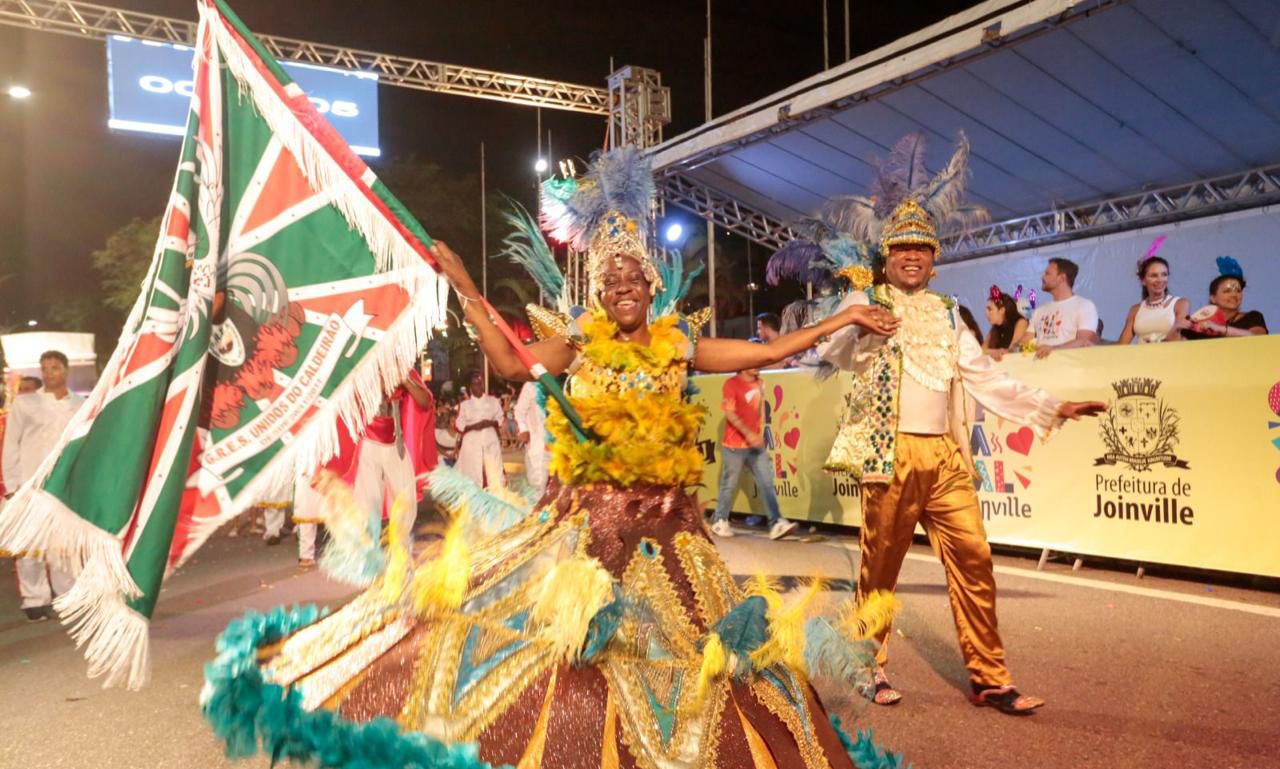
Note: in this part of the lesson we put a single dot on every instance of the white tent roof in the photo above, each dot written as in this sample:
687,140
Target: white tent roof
1064,102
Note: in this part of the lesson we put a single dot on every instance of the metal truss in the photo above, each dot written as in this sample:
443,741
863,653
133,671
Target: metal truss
1250,189
732,215
639,107
97,22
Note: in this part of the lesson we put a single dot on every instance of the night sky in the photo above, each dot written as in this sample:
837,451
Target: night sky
66,181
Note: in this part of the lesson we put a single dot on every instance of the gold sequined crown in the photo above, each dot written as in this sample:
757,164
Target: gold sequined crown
909,224
618,235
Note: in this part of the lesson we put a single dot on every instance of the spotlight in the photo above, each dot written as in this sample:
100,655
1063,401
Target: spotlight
32,323
674,232
19,91
540,166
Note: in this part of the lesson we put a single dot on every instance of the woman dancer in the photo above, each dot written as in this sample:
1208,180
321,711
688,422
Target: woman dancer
602,628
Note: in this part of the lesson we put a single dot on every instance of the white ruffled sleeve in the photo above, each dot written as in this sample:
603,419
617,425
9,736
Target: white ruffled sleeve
840,350
1003,395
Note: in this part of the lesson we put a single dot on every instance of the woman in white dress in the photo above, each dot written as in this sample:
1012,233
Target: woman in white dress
479,423
1155,318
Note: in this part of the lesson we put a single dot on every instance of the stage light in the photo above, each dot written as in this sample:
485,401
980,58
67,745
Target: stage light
19,92
32,323
674,232
540,166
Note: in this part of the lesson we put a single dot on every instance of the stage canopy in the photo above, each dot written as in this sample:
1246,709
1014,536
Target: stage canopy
1065,103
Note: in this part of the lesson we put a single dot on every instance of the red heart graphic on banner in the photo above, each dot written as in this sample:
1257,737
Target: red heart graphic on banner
777,397
792,438
1021,440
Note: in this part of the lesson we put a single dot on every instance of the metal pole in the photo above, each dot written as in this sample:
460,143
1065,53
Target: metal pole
751,290
711,225
848,51
484,251
826,38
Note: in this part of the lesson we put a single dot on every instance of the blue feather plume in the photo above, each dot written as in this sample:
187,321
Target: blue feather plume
526,246
794,261
1229,266
619,180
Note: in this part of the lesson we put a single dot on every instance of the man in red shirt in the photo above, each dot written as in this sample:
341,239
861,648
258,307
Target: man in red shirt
744,445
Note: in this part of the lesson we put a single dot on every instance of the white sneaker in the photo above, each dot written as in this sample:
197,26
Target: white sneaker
721,529
782,528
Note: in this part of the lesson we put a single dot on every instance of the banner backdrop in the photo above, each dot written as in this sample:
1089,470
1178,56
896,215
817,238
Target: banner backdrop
1184,469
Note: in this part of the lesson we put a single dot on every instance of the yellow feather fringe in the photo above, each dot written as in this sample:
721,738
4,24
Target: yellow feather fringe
715,660
868,619
568,597
441,584
786,627
396,573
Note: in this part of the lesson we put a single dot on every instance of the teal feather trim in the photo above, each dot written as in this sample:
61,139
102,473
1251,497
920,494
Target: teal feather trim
744,629
603,626
864,752
452,489
676,282
354,554
246,712
827,652
526,246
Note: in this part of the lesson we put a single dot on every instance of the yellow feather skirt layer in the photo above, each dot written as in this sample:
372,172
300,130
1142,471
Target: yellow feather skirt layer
643,438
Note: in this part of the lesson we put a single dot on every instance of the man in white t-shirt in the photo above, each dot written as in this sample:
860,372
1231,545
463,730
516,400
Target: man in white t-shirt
35,423
1068,321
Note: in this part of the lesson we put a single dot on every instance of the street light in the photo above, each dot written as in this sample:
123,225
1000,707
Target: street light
32,323
540,167
19,92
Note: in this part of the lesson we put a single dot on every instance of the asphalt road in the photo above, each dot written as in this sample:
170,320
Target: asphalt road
1138,673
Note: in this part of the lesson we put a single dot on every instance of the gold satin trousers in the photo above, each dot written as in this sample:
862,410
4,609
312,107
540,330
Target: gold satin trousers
932,486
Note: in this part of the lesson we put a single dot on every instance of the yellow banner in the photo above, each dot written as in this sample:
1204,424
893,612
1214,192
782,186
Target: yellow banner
1184,469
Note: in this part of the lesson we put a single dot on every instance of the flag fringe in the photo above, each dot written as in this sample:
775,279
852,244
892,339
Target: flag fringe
114,637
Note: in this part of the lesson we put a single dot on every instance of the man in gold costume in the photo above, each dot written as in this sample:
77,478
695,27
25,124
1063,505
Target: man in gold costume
904,436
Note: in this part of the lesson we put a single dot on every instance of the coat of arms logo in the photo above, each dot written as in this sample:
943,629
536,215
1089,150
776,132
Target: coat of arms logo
1140,430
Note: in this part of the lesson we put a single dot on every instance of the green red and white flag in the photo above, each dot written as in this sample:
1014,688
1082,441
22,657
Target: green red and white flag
288,290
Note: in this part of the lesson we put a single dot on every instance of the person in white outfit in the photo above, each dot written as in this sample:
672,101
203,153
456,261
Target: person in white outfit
307,517
479,422
1156,317
531,430
1069,320
35,423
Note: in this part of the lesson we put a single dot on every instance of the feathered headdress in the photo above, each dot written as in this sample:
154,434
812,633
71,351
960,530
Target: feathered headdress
605,213
1230,267
1152,251
821,255
904,204
676,282
526,246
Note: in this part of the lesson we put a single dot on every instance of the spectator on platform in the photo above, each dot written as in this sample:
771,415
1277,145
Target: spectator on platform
1069,320
1155,318
29,384
1007,324
1223,317
744,445
970,322
35,422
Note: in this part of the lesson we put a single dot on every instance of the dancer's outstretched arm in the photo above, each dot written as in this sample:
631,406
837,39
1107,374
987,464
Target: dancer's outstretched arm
555,353
726,355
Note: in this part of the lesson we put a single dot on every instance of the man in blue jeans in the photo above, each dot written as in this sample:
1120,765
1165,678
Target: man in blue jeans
744,445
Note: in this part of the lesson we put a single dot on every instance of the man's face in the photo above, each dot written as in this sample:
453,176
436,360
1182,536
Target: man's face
909,266
476,385
53,373
28,386
1051,278
765,331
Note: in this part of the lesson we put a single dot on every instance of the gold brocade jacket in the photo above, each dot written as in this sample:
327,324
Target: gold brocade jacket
934,347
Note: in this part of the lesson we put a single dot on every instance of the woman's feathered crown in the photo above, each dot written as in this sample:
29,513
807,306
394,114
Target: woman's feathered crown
605,213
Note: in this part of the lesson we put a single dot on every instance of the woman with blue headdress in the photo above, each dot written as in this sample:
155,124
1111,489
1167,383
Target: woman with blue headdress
598,627
1223,317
